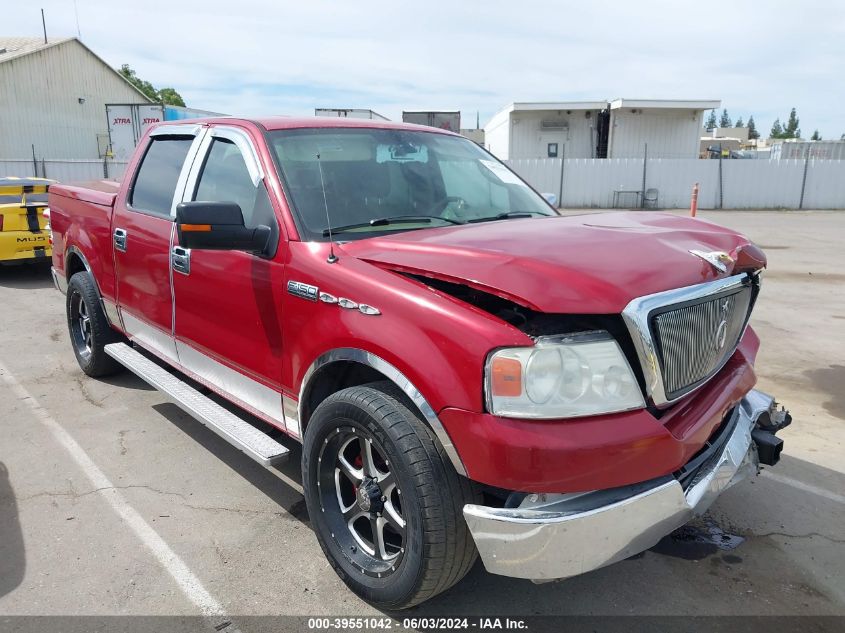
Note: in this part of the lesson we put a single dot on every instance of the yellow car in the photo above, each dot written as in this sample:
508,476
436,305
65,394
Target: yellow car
24,234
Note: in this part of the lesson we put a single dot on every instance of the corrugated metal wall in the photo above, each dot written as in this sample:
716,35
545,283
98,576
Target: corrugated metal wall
529,140
745,184
39,101
669,134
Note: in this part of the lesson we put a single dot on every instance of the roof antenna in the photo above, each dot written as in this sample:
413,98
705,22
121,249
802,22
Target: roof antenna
76,11
44,25
332,258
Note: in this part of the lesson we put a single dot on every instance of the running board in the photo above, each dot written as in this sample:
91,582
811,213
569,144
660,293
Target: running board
238,432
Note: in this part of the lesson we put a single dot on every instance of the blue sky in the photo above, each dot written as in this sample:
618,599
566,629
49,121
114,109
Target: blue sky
283,57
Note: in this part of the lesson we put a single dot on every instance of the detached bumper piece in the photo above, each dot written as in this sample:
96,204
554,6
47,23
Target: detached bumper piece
558,536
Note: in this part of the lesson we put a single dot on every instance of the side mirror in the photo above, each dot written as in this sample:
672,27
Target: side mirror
218,226
550,198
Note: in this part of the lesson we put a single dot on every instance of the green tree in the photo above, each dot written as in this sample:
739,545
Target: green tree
167,96
144,86
791,129
816,136
752,129
739,123
777,130
710,123
725,120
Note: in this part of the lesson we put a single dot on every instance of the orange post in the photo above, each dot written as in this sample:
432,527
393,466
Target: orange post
693,206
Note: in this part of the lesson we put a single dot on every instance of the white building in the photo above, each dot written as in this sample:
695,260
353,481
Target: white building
598,129
53,96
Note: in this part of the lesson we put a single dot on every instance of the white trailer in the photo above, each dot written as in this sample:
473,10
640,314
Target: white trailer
127,124
350,113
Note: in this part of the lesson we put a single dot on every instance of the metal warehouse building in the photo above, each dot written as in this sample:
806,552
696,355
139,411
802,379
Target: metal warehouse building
53,97
598,129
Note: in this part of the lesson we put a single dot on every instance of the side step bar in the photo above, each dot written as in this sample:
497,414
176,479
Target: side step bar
241,434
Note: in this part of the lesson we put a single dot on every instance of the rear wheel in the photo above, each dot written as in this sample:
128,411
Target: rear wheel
89,329
385,502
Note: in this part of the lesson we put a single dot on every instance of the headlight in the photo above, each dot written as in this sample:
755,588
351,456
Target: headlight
561,377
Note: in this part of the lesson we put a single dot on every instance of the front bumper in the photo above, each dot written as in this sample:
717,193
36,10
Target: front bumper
558,536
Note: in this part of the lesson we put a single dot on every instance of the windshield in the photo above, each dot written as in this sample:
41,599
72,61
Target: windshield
377,181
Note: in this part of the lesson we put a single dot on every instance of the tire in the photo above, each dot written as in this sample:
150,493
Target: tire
89,330
413,481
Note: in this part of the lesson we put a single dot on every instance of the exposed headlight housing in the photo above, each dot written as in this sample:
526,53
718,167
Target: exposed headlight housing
565,376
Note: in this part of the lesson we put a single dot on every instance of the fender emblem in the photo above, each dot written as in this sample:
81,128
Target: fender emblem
302,290
719,260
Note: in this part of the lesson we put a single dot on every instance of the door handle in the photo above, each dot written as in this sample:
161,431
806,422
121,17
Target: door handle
120,240
180,259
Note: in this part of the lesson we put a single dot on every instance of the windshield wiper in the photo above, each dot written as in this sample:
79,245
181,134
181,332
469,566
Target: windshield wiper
397,219
507,215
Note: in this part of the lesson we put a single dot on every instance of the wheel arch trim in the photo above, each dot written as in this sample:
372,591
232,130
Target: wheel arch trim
109,307
363,357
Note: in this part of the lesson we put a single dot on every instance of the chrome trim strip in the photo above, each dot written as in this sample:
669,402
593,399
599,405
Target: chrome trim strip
112,314
399,379
59,281
188,169
149,336
113,317
559,539
179,129
636,317
242,141
290,408
263,399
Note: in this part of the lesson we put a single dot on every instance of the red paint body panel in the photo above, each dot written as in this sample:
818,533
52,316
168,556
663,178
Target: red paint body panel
576,264
143,271
602,451
235,308
438,342
82,223
230,308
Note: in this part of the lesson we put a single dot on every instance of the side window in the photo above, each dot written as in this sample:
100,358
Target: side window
155,182
225,178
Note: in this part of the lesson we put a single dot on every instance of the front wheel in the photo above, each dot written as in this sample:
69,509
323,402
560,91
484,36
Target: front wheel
385,502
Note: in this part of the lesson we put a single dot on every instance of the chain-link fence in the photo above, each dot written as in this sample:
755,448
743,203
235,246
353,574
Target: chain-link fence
63,170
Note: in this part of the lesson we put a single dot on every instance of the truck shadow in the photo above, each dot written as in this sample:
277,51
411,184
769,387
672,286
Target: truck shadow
12,552
26,276
262,478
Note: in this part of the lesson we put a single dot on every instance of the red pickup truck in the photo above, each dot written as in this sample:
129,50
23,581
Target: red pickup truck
469,372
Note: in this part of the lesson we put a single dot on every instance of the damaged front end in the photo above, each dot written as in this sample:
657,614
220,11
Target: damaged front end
553,536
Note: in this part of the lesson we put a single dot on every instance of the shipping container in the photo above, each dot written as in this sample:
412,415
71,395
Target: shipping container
821,150
350,113
442,120
178,113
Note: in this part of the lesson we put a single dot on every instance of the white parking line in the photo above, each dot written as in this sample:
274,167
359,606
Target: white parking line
184,577
800,485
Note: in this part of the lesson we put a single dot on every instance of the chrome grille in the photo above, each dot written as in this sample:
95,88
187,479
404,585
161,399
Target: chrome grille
695,340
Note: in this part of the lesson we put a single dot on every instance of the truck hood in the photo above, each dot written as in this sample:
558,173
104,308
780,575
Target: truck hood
587,264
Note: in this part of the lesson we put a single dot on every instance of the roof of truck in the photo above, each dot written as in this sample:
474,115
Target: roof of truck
290,122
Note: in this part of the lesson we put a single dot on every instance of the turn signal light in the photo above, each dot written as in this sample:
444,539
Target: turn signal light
506,374
196,228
